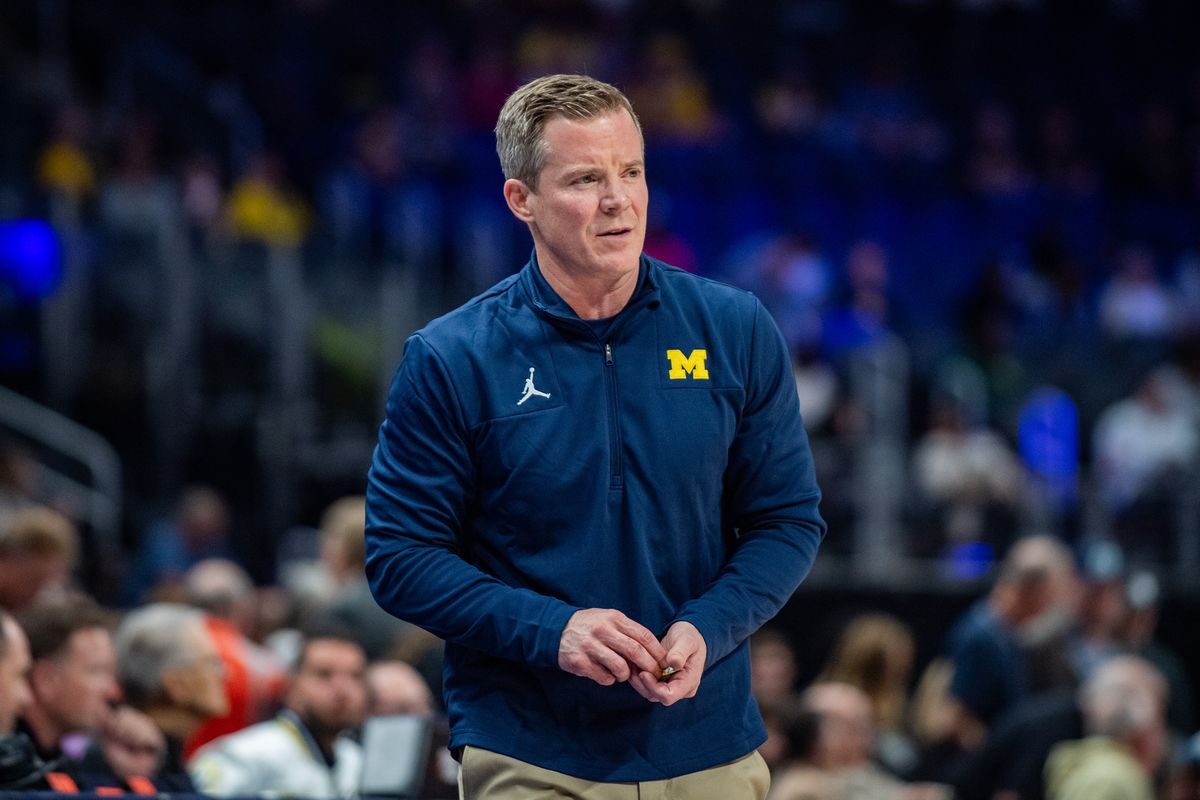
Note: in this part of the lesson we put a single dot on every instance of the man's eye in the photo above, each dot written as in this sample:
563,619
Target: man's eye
586,179
634,173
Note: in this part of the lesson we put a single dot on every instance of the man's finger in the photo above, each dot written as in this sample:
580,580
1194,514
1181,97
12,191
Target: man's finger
644,638
634,652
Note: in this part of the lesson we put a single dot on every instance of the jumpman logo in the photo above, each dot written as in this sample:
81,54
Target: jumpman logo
531,390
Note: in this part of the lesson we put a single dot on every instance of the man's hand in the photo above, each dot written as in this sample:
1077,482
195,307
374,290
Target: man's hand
686,652
606,646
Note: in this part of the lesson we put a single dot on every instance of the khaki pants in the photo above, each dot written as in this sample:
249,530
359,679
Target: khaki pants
490,776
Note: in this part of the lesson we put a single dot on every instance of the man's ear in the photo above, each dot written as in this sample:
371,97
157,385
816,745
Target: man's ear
177,686
518,195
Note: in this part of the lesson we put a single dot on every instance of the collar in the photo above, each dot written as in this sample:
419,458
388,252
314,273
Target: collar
550,305
292,723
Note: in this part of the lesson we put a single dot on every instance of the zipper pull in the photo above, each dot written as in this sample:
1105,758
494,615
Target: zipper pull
608,354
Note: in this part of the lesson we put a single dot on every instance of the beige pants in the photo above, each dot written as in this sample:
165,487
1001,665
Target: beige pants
490,776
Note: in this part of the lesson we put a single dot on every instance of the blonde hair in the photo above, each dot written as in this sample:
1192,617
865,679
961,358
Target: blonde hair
519,140
343,530
861,658
39,531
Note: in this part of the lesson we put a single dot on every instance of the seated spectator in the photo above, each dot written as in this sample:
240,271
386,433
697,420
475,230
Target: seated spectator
875,654
1028,603
394,687
772,668
38,548
14,673
1123,706
198,530
836,762
171,671
302,752
254,677
73,678
343,553
1143,447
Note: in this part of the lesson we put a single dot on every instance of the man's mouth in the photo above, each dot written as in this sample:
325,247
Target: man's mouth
616,232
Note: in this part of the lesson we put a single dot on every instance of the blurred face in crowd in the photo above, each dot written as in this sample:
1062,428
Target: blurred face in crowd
396,688
14,675
847,734
26,576
328,691
196,682
588,213
132,743
78,687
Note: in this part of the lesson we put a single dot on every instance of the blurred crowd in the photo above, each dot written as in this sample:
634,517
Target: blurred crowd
207,683
918,192
1054,684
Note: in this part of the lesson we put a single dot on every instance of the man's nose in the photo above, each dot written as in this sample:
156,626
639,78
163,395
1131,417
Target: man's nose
615,197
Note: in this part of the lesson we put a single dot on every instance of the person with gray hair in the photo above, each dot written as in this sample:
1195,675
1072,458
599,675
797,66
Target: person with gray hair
169,669
1123,704
593,482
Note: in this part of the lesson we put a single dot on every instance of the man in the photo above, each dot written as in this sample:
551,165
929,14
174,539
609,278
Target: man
38,547
171,671
595,552
14,673
73,676
394,687
1124,706
1032,601
302,752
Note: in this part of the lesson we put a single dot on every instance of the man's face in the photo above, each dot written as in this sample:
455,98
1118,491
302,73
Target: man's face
196,682
80,685
588,214
328,691
14,676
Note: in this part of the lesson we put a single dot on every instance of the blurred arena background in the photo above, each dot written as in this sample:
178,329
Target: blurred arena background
977,223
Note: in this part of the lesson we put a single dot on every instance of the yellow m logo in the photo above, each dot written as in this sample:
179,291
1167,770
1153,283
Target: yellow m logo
682,366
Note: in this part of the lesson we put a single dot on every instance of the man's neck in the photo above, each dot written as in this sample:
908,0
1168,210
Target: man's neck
47,733
322,737
589,297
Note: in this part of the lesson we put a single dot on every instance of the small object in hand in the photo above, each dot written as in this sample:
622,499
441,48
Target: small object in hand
667,673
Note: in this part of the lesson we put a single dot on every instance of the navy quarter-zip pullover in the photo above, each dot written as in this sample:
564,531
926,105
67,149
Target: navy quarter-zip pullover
529,468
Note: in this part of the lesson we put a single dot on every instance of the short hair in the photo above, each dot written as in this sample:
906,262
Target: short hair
148,642
217,585
49,628
1033,559
519,130
322,630
39,531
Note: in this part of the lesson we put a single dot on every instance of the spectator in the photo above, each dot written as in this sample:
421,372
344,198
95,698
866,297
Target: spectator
875,654
302,752
1126,739
343,550
1145,449
169,548
171,671
15,664
254,676
38,548
394,687
1135,304
991,672
1184,781
841,751
73,678
772,668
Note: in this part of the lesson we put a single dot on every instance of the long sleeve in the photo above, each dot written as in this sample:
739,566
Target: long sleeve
771,497
418,491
